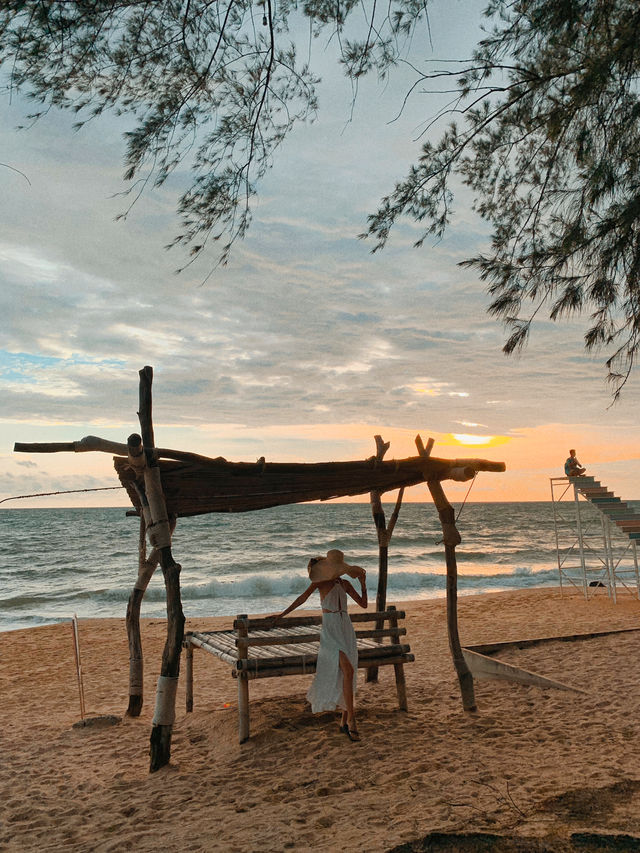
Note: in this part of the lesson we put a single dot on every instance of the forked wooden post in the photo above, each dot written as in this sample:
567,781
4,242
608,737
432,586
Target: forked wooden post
451,538
160,537
146,568
384,537
243,681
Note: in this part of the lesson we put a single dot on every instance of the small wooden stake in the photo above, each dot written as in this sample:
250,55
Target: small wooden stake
76,647
189,678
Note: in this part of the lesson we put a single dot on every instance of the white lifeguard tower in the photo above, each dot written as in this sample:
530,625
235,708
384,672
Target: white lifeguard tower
596,537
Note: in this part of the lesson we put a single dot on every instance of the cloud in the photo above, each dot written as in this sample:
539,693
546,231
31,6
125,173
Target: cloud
302,337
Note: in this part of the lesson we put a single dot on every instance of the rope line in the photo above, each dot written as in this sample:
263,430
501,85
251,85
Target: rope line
466,496
66,492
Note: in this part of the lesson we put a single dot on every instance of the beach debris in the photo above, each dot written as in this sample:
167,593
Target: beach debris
482,667
100,722
525,643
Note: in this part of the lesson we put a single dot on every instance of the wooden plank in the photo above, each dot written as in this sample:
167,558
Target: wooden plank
293,660
523,643
223,640
485,667
284,639
265,623
208,647
310,668
366,644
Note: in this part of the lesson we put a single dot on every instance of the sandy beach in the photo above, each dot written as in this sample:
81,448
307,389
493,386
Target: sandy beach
540,766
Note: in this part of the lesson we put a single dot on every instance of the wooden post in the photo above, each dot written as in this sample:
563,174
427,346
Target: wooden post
189,678
384,537
243,681
451,538
159,532
401,685
146,568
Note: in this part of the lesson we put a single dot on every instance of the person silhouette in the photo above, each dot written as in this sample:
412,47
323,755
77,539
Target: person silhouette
334,685
572,467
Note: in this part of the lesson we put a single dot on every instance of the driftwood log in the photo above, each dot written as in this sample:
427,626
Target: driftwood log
194,484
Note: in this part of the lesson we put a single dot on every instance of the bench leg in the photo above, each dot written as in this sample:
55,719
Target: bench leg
243,707
401,686
189,677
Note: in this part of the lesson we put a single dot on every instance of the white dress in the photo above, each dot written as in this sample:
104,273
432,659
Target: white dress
336,635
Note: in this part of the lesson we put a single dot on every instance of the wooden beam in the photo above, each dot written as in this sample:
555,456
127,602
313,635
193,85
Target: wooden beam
92,443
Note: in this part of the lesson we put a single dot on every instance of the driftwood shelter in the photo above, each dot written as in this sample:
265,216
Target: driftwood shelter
165,485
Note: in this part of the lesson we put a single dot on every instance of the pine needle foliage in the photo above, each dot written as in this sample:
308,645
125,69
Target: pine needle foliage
543,127
547,136
216,83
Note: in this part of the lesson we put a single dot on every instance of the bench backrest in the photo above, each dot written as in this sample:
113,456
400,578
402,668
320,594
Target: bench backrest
269,635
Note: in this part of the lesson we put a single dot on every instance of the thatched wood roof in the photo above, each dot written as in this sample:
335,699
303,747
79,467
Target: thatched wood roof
203,486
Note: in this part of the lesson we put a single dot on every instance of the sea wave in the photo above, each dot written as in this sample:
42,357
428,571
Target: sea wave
240,563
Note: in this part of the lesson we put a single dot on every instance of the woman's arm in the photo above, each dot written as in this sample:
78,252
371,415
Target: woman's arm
361,599
299,600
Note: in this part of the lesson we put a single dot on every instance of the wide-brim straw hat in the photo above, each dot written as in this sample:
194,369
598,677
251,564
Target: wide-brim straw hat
331,567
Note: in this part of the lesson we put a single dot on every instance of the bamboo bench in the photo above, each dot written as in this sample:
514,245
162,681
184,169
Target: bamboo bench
255,650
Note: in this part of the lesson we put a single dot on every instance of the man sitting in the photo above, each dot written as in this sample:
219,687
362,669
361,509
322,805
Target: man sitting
572,468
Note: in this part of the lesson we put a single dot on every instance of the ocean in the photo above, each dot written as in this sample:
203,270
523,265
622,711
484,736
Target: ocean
55,563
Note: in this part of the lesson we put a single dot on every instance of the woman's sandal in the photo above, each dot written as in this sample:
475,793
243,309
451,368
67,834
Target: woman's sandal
352,734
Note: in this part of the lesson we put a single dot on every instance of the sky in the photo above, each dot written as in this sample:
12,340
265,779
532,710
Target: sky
306,345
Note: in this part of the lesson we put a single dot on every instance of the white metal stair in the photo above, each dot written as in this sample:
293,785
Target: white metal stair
596,559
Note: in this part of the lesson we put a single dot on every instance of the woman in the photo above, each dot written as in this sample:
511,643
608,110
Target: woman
334,685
